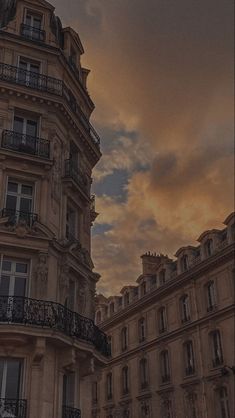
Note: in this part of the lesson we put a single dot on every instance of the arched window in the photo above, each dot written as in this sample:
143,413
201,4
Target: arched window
189,358
162,319
143,373
98,317
185,308
124,338
223,402
211,296
209,247
142,331
109,385
184,263
125,380
162,277
217,354
165,367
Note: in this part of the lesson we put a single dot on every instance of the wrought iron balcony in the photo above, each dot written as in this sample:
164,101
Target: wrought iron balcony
25,144
30,79
73,172
69,412
13,408
15,216
32,33
45,314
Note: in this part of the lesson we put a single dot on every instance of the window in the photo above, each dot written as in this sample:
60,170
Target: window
141,326
124,338
184,263
209,247
10,379
143,373
162,277
73,58
189,358
166,410
68,389
109,383
165,368
153,280
95,392
69,302
211,297
111,308
185,309
28,73
98,317
223,402
71,224
217,354
125,380
32,27
191,403
19,201
162,320
143,288
127,299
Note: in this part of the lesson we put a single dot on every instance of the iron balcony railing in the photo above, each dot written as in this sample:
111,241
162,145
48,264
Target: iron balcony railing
15,216
13,408
32,33
73,172
69,412
16,75
25,144
46,314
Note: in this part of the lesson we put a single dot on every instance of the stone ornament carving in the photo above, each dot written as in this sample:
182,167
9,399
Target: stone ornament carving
41,275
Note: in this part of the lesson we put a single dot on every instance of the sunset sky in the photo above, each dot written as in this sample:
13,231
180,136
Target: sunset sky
162,82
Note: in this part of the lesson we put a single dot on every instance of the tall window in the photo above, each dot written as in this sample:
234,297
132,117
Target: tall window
10,379
189,358
211,296
209,247
28,73
19,201
125,380
124,338
70,224
111,308
143,373
223,402
95,392
185,308
162,319
143,288
184,263
217,354
32,27
162,277
98,317
13,277
109,385
142,331
165,367
68,389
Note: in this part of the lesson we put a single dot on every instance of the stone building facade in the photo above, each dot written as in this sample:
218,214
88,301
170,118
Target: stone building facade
172,336
49,344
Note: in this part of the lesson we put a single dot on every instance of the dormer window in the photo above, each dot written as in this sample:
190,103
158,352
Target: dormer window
184,263
162,277
209,247
32,27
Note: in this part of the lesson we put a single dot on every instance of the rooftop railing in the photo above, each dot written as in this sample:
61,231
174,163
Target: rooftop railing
25,144
15,216
13,408
52,315
40,82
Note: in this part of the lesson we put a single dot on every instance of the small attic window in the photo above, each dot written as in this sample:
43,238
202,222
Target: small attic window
31,28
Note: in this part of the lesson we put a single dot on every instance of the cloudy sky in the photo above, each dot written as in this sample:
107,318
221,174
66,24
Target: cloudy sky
161,80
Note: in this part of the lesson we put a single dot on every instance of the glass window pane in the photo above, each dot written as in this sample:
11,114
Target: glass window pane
12,187
6,265
13,379
23,65
25,205
19,286
28,20
28,190
4,286
21,267
31,128
18,125
37,22
11,202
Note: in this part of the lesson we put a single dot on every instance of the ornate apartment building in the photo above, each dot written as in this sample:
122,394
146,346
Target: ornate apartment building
172,336
49,344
